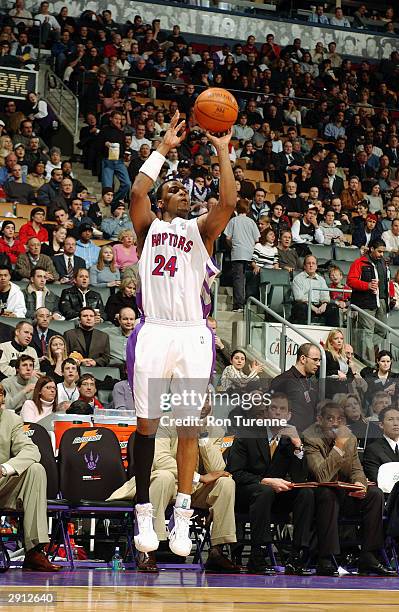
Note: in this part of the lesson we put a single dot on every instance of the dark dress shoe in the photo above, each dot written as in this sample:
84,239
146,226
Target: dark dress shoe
295,567
217,562
369,564
146,562
377,569
325,569
36,561
257,565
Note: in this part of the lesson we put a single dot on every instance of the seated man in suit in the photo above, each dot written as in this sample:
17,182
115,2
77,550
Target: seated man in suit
67,263
260,465
91,343
33,258
41,332
331,455
213,489
385,449
23,482
36,295
74,298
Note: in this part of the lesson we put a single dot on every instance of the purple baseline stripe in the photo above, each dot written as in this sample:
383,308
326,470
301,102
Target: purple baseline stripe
131,352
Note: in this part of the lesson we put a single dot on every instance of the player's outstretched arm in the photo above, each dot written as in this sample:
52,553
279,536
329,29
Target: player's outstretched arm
140,205
213,223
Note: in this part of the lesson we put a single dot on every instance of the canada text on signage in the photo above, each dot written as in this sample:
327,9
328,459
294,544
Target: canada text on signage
15,83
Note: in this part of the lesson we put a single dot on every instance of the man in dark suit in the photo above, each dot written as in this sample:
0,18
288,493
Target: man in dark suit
385,449
67,263
41,332
288,161
331,455
392,151
336,183
91,343
260,464
360,168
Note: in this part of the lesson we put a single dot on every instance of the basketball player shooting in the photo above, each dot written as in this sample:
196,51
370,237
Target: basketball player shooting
172,344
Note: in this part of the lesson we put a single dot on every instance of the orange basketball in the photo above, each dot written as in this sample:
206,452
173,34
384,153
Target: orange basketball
216,110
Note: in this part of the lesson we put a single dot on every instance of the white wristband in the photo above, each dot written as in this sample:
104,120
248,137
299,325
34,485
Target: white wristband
152,166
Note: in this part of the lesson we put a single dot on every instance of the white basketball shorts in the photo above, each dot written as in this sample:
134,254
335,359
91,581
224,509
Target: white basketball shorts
169,366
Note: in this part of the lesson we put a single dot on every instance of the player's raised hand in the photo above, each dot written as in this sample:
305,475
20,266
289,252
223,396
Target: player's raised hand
175,134
220,141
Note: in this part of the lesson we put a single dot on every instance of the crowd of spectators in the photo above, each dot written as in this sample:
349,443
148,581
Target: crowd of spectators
315,152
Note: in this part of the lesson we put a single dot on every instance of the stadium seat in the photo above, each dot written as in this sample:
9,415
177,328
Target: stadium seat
24,210
275,188
61,326
346,254
269,280
57,288
322,252
100,373
105,292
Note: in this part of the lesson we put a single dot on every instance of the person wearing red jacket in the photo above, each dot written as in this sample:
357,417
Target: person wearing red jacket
9,244
34,228
368,278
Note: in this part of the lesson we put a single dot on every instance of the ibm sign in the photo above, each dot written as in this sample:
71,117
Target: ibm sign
15,83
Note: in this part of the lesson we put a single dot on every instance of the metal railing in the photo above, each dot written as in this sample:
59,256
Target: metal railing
390,331
329,290
283,339
63,102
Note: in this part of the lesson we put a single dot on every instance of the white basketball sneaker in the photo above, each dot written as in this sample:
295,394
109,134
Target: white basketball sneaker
179,532
145,538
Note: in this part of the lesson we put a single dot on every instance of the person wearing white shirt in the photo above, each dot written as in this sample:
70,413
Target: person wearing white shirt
67,389
324,312
50,28
339,19
391,239
139,138
307,230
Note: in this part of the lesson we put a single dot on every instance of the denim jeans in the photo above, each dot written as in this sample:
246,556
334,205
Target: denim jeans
116,167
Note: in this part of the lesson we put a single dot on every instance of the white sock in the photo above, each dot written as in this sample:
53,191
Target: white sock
183,501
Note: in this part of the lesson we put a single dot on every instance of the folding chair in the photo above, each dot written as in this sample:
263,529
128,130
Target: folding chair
91,469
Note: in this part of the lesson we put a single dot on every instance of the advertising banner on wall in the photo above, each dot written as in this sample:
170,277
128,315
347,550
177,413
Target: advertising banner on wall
225,25
16,83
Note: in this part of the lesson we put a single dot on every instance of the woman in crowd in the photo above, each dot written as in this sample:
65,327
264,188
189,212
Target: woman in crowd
43,403
338,373
56,243
124,297
331,232
381,377
125,251
355,418
10,245
247,152
233,376
6,147
265,255
374,199
56,353
67,389
105,273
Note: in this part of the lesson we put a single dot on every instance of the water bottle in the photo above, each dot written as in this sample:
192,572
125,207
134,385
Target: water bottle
116,561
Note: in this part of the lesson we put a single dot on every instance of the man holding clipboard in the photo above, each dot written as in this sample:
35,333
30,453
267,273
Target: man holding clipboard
332,459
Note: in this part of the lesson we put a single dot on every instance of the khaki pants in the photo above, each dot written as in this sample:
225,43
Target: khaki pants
29,491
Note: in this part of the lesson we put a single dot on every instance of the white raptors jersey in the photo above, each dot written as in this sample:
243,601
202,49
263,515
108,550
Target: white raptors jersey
175,272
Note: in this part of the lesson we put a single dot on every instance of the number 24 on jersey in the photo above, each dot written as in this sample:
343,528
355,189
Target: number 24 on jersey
162,266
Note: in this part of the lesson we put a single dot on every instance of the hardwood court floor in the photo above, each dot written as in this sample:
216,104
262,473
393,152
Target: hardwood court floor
193,592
